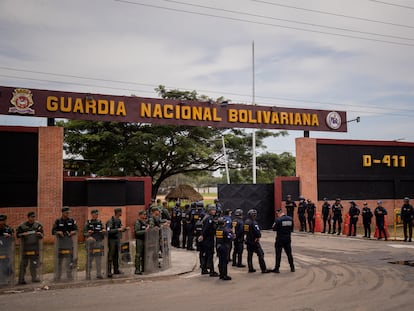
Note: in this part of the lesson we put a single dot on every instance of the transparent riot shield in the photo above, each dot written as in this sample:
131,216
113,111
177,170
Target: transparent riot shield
165,237
126,249
152,249
6,261
66,258
96,256
31,259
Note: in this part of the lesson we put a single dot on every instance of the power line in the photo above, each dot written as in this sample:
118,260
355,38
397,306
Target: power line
289,20
266,24
394,4
334,14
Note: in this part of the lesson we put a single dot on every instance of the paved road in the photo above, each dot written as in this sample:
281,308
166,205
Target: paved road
333,273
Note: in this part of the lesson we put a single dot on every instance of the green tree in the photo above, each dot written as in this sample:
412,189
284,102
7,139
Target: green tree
158,151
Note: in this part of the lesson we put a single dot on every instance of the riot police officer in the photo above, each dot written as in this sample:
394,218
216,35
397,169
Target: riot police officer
310,210
282,226
407,216
6,252
239,238
64,229
301,213
326,215
30,232
219,207
366,220
224,237
175,225
188,227
140,228
253,235
337,216
207,239
290,206
380,213
94,232
353,218
115,228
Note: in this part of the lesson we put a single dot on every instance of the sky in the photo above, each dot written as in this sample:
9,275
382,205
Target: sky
354,55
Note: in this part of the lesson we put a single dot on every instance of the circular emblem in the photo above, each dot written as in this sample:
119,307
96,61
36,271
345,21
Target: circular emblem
333,120
22,101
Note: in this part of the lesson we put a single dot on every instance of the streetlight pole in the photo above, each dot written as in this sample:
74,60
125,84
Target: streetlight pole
254,131
226,164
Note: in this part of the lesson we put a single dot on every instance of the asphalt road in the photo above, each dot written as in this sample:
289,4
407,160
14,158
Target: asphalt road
332,273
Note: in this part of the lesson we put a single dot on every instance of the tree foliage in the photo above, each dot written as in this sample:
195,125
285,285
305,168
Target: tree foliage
159,151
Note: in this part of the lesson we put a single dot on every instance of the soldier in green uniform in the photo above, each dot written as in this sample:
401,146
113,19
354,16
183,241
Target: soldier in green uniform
6,252
94,232
30,232
115,228
140,227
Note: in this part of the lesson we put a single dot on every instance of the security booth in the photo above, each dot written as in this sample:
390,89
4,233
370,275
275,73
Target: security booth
6,261
126,249
66,257
31,255
96,255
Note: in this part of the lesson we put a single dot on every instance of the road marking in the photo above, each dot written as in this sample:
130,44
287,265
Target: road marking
401,246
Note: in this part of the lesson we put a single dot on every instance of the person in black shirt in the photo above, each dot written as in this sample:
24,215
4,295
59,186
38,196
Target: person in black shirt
366,220
290,206
282,226
407,216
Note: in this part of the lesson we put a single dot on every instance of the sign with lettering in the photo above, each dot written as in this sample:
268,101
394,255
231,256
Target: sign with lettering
97,107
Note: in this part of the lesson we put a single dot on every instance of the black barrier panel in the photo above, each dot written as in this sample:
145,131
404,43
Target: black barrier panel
106,192
245,197
364,172
290,187
75,193
406,189
135,193
18,169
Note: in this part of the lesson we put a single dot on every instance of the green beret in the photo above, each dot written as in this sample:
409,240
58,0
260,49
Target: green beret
94,211
117,210
31,214
154,208
142,212
65,209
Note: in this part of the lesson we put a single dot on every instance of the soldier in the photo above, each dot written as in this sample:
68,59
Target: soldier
224,237
380,213
337,215
353,218
311,209
188,224
64,229
207,239
175,225
282,226
6,252
407,216
165,214
301,214
140,228
114,228
366,220
239,238
94,232
30,232
253,235
290,206
326,215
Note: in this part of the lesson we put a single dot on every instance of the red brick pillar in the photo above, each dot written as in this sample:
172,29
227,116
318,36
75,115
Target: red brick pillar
306,167
50,177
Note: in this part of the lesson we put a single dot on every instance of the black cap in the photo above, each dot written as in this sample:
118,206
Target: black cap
278,210
65,209
31,214
3,217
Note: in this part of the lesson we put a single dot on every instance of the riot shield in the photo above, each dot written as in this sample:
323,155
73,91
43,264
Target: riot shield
152,249
96,256
31,256
126,249
66,258
165,261
6,261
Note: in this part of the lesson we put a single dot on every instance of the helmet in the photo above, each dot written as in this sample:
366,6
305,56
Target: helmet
211,207
301,198
221,221
252,213
200,204
238,212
